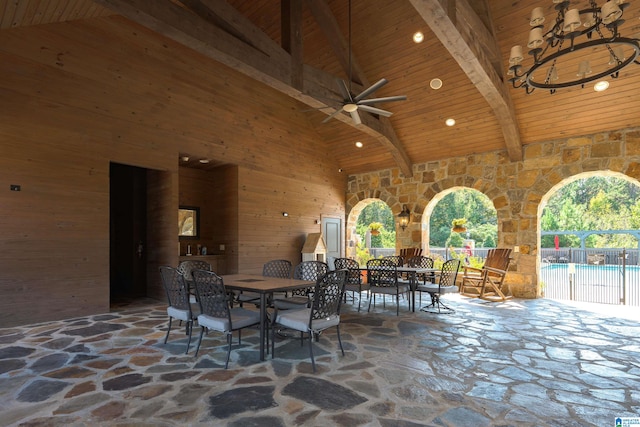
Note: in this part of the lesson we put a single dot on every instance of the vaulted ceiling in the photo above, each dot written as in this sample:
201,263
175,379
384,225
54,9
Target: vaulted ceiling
301,48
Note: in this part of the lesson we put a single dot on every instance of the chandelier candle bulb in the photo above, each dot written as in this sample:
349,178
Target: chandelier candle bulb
571,20
537,17
610,12
617,56
583,69
535,38
516,55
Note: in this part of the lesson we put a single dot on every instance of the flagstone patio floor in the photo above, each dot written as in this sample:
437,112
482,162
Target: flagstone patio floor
519,363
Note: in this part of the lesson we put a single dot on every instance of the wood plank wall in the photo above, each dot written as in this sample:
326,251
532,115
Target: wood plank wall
76,96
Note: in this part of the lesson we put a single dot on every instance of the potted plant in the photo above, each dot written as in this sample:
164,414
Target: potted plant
458,225
375,228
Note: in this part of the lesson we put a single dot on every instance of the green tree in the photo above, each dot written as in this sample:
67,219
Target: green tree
472,205
378,211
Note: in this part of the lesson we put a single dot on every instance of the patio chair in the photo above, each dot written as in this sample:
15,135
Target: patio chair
323,313
382,276
396,259
408,253
216,312
421,262
275,268
446,284
186,269
354,278
306,270
486,282
178,298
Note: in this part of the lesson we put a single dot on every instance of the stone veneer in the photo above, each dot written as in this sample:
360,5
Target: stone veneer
518,190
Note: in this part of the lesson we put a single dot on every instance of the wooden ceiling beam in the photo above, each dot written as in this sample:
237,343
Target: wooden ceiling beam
468,40
291,22
242,46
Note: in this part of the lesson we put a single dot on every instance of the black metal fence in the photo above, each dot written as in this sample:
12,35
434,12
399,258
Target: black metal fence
607,276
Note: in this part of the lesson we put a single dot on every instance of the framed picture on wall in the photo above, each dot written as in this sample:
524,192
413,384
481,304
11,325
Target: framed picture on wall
188,222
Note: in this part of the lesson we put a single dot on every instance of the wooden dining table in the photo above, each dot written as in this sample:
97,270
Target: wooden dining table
264,286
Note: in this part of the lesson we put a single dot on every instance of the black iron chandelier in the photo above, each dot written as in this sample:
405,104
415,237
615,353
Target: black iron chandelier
582,46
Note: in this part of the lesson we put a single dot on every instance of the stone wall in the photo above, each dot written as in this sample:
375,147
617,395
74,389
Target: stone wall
519,191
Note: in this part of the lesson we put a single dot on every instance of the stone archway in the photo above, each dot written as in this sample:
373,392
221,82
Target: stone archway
552,191
352,218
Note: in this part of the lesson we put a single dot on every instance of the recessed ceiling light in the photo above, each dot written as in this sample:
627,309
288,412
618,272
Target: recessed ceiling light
204,161
418,37
359,144
601,85
435,84
450,122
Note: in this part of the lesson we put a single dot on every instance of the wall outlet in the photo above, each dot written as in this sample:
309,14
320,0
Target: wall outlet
516,249
222,247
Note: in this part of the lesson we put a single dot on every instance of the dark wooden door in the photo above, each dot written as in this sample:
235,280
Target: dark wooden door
128,213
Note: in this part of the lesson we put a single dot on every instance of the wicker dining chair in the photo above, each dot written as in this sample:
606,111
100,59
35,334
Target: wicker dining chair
354,278
216,311
306,270
323,313
178,297
382,276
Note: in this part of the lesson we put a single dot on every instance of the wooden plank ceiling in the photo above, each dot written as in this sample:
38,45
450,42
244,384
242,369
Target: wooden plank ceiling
300,47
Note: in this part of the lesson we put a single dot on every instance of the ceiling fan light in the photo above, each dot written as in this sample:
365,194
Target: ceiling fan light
350,107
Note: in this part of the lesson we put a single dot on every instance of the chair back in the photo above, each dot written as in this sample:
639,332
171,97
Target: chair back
327,295
498,258
175,288
382,272
277,268
186,268
396,259
449,273
420,262
310,270
407,253
211,294
353,276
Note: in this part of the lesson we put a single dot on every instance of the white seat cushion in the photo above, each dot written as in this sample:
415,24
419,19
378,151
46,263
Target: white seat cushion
434,288
299,320
180,314
240,318
389,290
291,303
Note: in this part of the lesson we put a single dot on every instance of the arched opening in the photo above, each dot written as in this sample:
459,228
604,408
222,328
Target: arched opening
460,222
370,230
589,237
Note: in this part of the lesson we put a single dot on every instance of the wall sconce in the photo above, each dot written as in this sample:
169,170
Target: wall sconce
404,217
285,213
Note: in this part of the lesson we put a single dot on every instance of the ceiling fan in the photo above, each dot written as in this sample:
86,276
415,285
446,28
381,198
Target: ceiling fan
352,103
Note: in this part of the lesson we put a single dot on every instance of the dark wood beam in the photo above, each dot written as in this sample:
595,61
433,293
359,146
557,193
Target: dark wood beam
242,46
291,23
472,45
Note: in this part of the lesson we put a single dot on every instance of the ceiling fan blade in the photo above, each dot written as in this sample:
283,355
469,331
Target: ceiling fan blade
375,110
374,87
344,90
356,117
385,99
332,115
